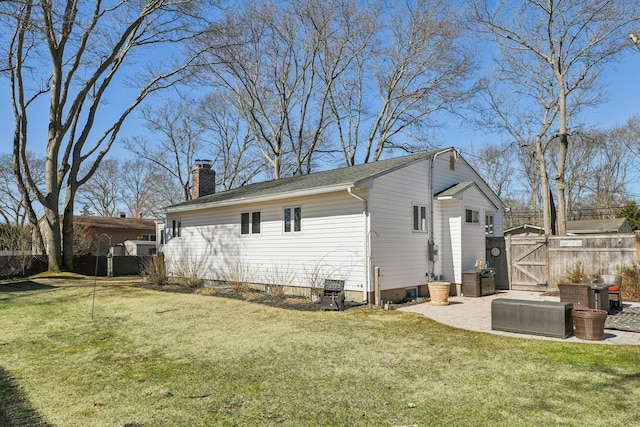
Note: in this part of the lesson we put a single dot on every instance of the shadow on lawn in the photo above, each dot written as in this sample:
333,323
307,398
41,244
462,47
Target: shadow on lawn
15,409
23,286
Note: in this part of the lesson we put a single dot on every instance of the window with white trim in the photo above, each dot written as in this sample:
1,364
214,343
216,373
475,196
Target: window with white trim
419,218
472,216
176,228
250,222
488,224
292,220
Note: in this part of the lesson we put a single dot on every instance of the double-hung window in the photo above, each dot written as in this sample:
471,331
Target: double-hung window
472,216
488,225
292,220
176,228
250,222
419,218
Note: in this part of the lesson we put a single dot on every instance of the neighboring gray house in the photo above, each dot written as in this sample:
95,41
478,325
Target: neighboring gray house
419,218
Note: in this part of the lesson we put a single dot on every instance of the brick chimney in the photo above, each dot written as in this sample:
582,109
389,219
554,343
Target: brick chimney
203,179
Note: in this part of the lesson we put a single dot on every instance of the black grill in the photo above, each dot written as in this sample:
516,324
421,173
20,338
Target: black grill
332,295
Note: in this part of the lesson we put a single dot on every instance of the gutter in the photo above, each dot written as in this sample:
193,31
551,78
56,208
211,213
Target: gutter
367,243
431,242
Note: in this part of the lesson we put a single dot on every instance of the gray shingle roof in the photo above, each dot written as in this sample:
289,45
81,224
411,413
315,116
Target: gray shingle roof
456,189
597,226
344,176
114,223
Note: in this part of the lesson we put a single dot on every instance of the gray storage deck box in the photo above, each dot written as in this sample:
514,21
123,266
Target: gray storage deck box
548,318
478,282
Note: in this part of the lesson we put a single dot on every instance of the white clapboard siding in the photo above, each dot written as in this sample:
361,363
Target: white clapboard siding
400,252
444,177
343,237
331,243
461,244
448,238
473,235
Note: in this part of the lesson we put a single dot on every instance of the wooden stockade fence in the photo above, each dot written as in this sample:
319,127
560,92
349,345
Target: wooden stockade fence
540,263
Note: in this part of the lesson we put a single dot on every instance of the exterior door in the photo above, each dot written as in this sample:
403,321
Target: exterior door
496,257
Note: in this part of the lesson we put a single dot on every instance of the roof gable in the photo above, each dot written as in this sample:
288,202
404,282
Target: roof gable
456,192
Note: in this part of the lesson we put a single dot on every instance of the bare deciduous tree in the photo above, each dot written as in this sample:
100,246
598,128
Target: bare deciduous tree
141,181
495,164
77,52
102,193
628,134
551,56
133,187
13,208
281,62
422,67
312,78
580,166
179,138
235,159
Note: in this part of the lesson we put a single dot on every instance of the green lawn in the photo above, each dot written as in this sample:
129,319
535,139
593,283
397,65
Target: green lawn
152,358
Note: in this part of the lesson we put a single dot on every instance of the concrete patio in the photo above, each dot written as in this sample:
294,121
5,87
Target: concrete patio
474,314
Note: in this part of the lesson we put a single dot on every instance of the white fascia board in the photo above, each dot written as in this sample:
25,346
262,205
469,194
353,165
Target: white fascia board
257,199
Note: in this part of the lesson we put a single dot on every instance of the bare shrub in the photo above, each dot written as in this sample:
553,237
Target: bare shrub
278,278
315,277
576,274
276,291
237,275
189,270
15,245
319,271
155,269
630,284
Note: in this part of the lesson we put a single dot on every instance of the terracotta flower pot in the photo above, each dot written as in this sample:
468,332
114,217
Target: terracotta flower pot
439,292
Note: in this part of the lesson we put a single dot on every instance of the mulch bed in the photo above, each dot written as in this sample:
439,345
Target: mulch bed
285,302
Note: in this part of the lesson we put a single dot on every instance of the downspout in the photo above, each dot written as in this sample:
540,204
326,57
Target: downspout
367,237
431,242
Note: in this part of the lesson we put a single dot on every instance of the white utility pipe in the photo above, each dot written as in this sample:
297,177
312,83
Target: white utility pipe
367,237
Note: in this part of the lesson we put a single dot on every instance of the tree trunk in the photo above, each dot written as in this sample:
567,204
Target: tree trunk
67,232
546,192
562,155
561,184
54,251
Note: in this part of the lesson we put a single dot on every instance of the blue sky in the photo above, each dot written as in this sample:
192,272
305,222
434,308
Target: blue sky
621,84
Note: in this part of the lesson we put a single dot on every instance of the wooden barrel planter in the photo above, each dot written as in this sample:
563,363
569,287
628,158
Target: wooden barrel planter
589,323
439,292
